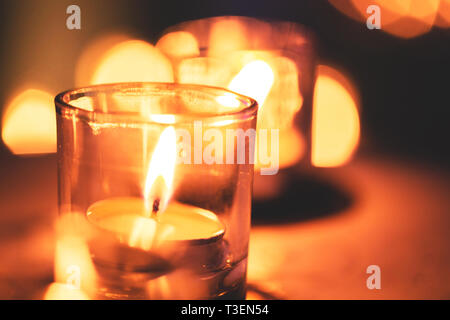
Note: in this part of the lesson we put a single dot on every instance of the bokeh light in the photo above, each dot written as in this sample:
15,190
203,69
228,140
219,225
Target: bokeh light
29,123
133,61
401,18
335,128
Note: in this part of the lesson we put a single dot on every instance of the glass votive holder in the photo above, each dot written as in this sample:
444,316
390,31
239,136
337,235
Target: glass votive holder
162,175
273,62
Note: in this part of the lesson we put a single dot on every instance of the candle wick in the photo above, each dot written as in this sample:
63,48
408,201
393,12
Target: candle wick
155,207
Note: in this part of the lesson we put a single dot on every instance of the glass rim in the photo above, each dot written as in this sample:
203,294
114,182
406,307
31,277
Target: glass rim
248,106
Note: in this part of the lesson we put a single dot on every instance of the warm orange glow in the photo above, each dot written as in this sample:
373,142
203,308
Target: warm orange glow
390,199
418,19
73,266
162,118
142,233
125,216
272,80
71,251
335,128
227,35
178,45
92,56
425,11
402,18
285,99
132,61
245,55
443,19
29,123
62,291
204,70
292,147
158,184
259,268
227,100
273,83
177,285
254,80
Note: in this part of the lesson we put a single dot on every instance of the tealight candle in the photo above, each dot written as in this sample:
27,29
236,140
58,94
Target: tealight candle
128,219
157,227
156,223
181,236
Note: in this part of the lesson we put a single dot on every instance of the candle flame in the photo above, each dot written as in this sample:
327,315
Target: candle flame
254,80
158,184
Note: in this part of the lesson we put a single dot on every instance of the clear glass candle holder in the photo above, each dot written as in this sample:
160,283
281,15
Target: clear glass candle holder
271,61
161,175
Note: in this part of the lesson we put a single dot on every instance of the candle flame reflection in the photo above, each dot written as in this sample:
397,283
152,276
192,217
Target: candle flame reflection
143,233
62,291
74,272
272,82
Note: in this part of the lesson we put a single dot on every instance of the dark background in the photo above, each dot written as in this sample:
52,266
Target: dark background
403,83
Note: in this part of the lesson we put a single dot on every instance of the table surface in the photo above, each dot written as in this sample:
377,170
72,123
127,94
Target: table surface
399,219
